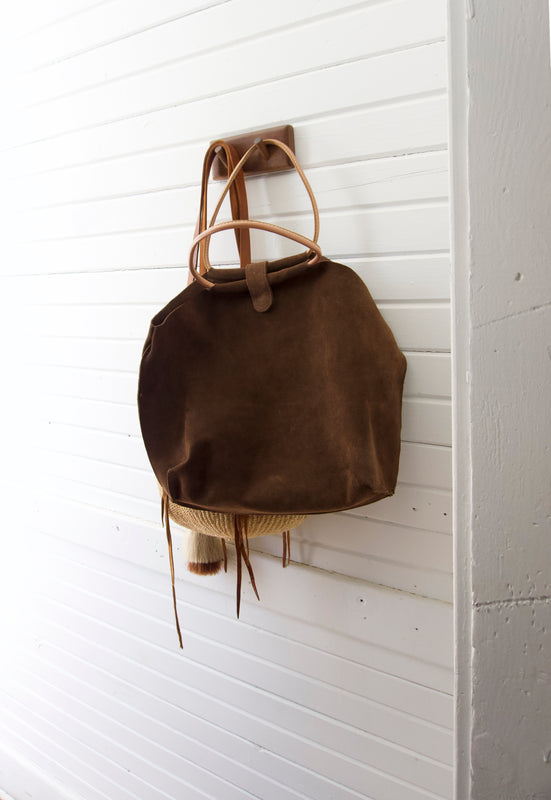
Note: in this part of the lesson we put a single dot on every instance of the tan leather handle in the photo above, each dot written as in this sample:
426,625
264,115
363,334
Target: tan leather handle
238,200
313,247
237,171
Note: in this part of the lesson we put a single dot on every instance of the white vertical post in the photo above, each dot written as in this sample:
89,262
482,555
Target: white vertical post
458,13
501,171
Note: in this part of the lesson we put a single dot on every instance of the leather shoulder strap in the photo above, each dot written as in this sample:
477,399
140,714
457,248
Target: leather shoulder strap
238,201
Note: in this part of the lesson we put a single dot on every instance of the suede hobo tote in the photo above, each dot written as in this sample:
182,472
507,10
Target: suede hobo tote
267,392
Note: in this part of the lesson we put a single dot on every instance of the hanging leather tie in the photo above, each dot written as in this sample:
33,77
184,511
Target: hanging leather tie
166,519
224,549
241,541
286,548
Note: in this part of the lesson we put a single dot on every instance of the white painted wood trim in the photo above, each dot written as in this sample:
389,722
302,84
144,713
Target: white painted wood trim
458,11
500,118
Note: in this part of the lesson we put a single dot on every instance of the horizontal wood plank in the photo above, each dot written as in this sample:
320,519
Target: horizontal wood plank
414,72
269,684
371,533
411,178
383,231
99,24
398,278
347,36
47,178
161,44
42,752
143,545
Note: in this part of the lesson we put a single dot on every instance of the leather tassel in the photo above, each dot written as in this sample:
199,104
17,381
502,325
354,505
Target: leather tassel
165,519
242,553
238,548
286,560
204,554
224,548
245,553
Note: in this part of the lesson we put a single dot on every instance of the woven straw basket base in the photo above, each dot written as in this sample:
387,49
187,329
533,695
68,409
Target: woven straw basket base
217,523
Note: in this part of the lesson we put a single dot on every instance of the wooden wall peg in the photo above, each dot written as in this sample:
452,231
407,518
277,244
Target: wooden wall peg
265,159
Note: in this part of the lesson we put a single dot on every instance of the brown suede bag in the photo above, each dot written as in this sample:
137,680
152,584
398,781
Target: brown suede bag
270,389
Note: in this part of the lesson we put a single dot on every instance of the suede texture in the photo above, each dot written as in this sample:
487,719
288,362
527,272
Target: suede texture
295,409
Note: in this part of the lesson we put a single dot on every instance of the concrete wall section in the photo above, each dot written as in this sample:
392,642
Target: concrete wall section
503,249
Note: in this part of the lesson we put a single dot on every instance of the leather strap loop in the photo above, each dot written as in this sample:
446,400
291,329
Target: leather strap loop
259,286
238,201
237,171
313,247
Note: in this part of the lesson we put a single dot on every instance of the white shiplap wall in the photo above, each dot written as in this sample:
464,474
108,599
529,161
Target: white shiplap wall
339,684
